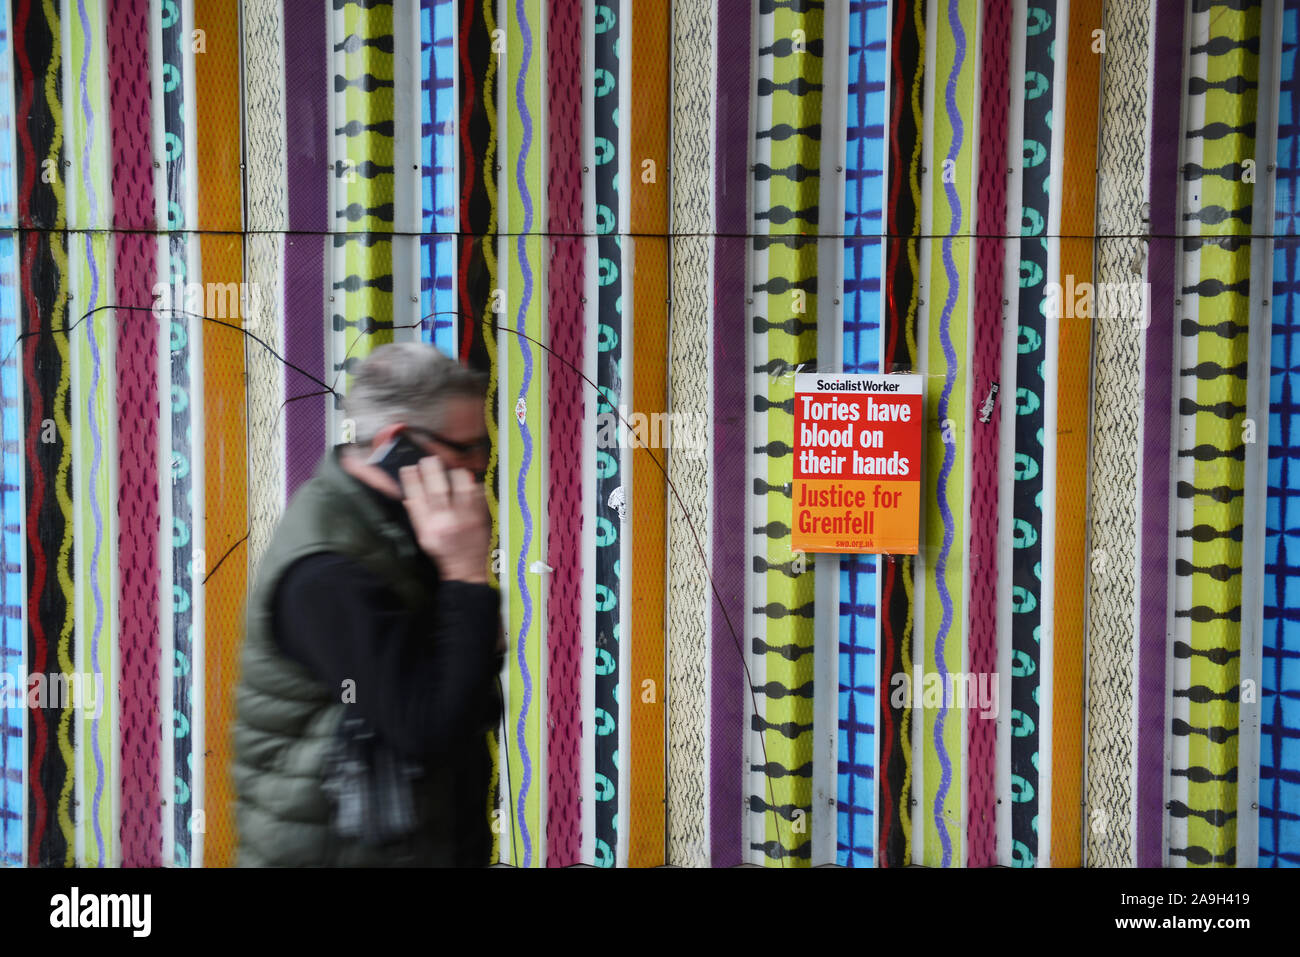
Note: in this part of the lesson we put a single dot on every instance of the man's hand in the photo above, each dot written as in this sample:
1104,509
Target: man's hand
449,512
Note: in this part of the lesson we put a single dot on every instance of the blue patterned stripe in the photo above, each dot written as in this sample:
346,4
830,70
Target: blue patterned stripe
438,148
609,476
863,226
1279,770
11,556
1026,619
181,453
11,542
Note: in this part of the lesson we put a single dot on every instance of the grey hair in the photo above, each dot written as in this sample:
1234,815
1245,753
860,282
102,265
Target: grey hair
406,382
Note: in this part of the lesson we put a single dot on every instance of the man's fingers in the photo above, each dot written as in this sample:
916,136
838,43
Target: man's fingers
470,494
435,482
414,495
462,484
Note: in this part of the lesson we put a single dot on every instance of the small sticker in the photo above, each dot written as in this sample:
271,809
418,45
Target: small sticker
986,407
617,501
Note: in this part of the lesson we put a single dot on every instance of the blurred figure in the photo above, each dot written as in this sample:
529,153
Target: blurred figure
374,641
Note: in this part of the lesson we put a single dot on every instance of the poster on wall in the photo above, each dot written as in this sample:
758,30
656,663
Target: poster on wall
857,463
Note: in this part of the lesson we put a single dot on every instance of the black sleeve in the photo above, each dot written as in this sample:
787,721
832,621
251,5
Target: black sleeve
426,686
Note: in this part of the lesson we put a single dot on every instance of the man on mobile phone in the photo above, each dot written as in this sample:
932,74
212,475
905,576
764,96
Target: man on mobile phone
374,641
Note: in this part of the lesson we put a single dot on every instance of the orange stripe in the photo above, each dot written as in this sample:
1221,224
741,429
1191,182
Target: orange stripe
649,204
225,523
1077,220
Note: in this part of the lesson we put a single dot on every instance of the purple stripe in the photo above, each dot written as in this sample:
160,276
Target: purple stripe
731,185
304,346
307,132
950,377
307,141
1166,112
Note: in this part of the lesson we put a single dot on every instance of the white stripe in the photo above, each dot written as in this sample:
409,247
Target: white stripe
1257,410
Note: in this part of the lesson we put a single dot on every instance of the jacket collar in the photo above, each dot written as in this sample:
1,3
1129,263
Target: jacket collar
364,502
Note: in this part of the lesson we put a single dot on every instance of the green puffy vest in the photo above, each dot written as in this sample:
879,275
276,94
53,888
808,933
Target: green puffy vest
286,718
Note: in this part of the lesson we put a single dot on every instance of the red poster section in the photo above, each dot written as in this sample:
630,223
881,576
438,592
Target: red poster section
857,463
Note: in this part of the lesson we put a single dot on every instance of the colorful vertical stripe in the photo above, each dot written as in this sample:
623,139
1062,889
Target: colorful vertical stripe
947,320
1074,349
94,426
1214,286
1116,448
1279,779
902,301
689,595
438,173
648,204
46,411
221,560
565,401
608,512
522,482
864,199
1027,531
987,398
12,750
729,680
786,215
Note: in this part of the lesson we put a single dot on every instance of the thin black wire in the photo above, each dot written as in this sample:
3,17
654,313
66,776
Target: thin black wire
330,390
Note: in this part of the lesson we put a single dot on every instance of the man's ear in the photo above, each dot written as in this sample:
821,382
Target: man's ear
385,435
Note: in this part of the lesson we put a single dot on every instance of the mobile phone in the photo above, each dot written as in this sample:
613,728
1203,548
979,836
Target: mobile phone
398,453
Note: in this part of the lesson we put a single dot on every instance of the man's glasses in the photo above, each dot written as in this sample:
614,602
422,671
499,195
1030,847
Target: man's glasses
483,445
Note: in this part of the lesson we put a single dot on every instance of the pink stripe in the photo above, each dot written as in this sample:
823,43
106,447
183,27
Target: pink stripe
137,398
987,361
565,315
